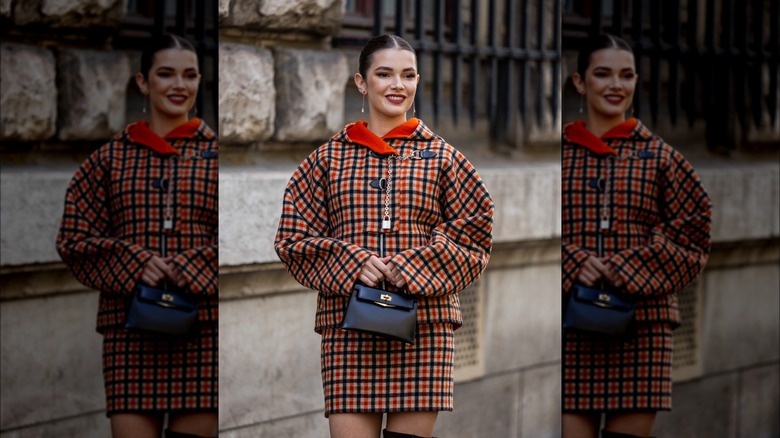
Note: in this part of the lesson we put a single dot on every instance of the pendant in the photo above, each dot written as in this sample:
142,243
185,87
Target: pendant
386,224
605,224
168,224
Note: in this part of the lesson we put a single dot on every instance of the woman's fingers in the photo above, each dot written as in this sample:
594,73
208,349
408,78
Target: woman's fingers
154,271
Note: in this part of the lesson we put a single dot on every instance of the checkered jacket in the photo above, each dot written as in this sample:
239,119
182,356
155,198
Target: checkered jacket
659,238
441,222
113,219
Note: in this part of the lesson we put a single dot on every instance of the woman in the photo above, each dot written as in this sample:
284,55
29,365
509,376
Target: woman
645,200
152,187
394,176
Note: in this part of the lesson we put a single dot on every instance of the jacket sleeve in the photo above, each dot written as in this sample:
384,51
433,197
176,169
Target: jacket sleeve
459,248
678,247
96,259
319,262
572,258
200,268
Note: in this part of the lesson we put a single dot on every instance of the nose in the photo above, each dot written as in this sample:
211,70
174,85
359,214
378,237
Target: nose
179,82
397,83
616,82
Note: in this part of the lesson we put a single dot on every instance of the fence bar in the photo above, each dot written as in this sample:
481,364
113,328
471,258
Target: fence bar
437,58
379,13
556,71
655,60
400,18
493,81
457,61
474,87
674,86
636,34
774,51
540,64
617,18
419,35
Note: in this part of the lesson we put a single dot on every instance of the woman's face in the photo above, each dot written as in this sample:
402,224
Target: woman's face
172,84
391,83
609,83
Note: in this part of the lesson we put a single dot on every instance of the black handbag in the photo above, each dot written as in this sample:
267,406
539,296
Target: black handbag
161,311
379,312
598,311
382,313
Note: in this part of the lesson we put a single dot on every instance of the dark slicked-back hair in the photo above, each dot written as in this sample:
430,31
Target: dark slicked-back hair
595,44
164,42
378,43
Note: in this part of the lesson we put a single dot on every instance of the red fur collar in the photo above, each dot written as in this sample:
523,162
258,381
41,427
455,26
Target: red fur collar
139,132
578,133
359,133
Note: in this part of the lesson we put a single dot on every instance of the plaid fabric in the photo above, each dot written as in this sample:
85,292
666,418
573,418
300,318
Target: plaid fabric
112,221
332,216
659,238
607,375
365,373
145,372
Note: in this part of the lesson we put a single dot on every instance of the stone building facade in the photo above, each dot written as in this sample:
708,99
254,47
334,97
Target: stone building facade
285,88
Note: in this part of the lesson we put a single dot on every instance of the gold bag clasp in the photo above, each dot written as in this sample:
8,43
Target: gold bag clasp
385,297
604,297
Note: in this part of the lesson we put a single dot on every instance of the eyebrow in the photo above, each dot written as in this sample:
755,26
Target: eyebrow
381,67
165,67
601,67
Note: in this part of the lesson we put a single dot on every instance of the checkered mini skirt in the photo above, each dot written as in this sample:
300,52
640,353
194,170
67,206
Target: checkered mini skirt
144,372
363,373
610,375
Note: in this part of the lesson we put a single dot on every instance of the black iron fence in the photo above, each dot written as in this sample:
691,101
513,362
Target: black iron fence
496,53
714,61
197,21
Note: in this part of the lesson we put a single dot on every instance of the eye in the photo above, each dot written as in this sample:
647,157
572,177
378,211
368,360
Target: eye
410,76
629,76
383,75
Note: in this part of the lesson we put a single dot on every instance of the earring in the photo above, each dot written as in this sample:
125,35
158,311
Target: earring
414,109
195,109
146,96
363,107
582,101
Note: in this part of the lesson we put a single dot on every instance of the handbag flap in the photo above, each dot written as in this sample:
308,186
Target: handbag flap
164,298
601,297
383,297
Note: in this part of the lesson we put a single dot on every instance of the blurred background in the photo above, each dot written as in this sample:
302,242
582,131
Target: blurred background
708,85
66,87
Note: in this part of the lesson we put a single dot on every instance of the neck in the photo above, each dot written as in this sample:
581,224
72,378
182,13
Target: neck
163,125
601,125
382,125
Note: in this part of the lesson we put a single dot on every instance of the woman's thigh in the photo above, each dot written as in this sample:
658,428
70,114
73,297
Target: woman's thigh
136,425
196,423
351,425
635,423
415,423
580,425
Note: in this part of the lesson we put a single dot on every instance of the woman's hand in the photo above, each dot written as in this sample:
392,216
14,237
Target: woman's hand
395,276
592,271
176,275
595,269
612,274
156,270
374,271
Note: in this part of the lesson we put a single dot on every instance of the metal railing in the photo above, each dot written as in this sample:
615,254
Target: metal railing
493,62
715,54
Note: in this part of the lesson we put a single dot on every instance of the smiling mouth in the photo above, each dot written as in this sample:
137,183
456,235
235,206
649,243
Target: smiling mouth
396,99
177,99
614,99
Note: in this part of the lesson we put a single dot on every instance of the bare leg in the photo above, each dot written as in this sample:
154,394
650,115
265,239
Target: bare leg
414,423
634,423
580,425
195,423
130,425
355,425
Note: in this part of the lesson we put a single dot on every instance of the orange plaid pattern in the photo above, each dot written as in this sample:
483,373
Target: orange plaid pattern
441,222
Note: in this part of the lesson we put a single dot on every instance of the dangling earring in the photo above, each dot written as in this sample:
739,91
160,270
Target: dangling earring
363,107
146,96
195,109
414,108
582,101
